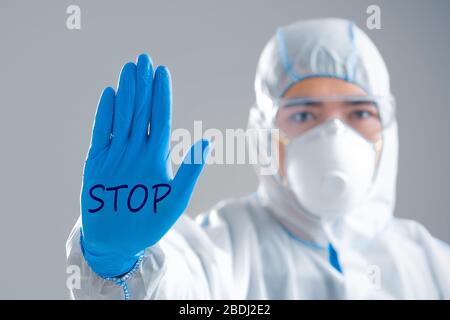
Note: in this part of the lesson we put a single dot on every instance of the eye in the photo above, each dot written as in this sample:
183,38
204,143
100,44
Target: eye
302,116
363,114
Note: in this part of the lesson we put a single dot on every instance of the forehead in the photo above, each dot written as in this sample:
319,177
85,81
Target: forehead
322,87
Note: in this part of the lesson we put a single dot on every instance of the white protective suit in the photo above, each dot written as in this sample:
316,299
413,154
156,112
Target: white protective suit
263,246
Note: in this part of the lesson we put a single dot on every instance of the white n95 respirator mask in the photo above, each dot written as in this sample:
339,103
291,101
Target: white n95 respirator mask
330,169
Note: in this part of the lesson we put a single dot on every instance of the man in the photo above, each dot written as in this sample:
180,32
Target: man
321,227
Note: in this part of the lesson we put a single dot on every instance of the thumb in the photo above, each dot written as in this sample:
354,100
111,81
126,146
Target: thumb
191,167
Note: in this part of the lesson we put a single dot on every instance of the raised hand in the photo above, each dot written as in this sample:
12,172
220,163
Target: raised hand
129,198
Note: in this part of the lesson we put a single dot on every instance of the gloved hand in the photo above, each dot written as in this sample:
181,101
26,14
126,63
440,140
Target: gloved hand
129,198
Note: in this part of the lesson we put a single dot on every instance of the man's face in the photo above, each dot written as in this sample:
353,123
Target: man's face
300,115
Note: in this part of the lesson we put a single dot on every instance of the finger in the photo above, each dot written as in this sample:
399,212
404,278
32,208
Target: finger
160,120
144,86
181,188
189,171
101,131
124,105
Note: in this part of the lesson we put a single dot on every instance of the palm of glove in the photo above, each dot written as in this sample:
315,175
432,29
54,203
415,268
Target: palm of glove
129,198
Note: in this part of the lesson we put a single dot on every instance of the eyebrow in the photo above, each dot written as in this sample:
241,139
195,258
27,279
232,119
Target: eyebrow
356,103
304,104
321,104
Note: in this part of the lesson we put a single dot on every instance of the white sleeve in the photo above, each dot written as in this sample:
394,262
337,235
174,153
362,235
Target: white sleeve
186,264
438,253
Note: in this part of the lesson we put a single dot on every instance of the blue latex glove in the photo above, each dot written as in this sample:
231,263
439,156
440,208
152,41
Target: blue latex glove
129,198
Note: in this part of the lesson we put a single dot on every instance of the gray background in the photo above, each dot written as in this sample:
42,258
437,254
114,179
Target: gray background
50,80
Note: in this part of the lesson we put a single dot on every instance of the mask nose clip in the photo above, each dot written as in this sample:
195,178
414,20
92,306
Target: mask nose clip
333,126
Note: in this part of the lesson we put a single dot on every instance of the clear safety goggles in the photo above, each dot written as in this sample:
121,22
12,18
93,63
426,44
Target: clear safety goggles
368,115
